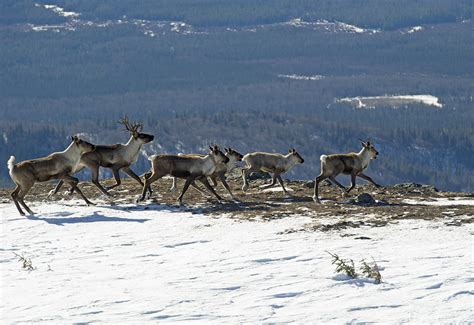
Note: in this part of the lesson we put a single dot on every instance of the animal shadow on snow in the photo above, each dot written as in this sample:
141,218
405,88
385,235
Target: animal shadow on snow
62,218
292,198
149,205
242,206
358,282
205,206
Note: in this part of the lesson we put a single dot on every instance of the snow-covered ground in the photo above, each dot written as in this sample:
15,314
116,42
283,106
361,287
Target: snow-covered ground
442,201
127,263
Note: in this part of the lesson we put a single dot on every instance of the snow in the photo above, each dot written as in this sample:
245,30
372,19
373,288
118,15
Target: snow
276,188
352,28
149,28
415,29
60,11
335,26
148,263
442,201
391,100
301,77
154,28
45,28
425,99
179,26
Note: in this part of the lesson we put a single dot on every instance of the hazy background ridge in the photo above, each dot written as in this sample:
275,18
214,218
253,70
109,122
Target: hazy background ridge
254,75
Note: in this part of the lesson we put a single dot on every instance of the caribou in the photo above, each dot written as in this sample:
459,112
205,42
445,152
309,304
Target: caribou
115,157
274,163
58,165
190,167
220,172
352,164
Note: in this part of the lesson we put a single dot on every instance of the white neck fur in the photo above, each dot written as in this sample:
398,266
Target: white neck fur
364,155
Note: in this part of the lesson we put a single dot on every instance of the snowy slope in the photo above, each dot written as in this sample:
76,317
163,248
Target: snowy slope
127,263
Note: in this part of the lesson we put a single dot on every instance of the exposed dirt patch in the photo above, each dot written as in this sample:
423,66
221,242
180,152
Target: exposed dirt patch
334,213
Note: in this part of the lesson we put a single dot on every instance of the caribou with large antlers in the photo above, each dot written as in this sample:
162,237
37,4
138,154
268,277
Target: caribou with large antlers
116,157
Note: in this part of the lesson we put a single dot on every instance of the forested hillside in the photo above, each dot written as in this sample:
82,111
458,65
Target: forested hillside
254,75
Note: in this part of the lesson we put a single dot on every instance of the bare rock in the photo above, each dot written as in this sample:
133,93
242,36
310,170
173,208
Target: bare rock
415,187
365,198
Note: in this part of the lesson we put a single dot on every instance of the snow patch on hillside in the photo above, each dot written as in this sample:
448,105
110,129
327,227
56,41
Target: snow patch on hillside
391,100
335,26
149,28
301,77
127,263
415,29
155,28
59,11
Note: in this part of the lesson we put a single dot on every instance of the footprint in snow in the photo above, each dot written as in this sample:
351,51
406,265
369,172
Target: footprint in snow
287,294
187,243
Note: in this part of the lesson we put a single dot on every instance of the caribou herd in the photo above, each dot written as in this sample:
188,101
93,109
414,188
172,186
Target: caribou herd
191,167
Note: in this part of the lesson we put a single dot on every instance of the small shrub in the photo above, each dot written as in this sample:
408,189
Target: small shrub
26,262
343,266
371,271
347,267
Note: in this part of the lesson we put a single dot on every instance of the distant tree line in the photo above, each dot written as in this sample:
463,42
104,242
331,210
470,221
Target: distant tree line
225,87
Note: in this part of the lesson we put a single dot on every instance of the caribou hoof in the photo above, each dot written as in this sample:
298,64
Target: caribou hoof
316,199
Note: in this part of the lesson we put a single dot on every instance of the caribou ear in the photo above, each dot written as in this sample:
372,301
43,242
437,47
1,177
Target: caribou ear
368,143
289,150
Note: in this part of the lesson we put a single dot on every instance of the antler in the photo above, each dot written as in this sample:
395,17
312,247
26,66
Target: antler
131,127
